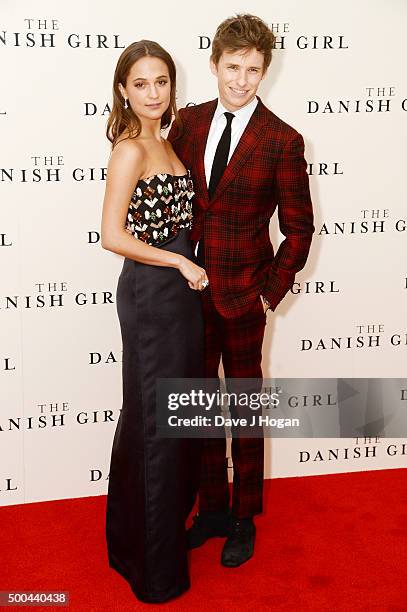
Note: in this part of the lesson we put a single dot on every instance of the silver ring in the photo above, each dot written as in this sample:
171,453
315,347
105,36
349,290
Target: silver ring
204,284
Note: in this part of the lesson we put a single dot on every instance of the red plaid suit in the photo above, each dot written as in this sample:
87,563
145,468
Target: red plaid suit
267,171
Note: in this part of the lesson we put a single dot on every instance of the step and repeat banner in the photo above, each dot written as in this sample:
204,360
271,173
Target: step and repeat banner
338,76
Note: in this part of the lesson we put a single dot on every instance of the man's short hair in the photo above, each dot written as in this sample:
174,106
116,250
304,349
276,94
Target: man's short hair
240,33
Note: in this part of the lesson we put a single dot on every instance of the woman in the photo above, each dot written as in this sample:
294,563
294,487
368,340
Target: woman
146,218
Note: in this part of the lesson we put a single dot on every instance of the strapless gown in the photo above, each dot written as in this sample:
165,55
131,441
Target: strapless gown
153,481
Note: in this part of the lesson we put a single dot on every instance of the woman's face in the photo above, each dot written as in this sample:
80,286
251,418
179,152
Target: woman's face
148,88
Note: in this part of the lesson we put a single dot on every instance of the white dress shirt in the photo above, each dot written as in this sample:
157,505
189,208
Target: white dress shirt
239,123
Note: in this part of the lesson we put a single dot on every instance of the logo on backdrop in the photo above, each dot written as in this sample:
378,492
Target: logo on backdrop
325,169
51,415
363,448
104,358
314,287
303,42
50,169
91,109
366,336
370,221
48,33
373,100
55,294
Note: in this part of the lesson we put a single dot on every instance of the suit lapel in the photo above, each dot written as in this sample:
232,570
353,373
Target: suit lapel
248,141
201,137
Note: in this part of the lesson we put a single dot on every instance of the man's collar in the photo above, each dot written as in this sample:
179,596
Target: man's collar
243,114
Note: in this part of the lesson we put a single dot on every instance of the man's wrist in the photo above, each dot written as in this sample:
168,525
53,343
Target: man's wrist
266,303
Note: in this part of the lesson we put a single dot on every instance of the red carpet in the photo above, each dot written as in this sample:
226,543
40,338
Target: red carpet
325,543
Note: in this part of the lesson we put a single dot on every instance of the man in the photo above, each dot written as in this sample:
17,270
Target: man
246,163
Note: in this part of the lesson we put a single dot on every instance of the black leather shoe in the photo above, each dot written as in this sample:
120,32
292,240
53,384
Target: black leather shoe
208,525
239,546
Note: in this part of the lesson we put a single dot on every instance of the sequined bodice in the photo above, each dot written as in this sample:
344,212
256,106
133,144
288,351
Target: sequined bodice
160,206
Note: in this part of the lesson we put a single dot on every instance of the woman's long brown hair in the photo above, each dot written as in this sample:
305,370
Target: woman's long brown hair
122,118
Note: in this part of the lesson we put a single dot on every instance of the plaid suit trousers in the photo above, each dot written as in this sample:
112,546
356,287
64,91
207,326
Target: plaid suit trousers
238,341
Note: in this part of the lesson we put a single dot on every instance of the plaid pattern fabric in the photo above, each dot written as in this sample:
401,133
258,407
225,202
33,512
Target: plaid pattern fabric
239,341
267,172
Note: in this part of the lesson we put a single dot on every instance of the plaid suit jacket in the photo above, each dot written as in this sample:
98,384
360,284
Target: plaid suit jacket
267,171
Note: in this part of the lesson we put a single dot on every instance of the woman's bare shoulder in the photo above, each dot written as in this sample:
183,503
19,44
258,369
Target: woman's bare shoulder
128,143
128,148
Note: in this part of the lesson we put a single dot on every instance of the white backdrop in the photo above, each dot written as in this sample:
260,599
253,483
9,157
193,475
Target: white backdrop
337,75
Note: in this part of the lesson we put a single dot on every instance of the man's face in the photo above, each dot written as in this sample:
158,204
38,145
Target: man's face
239,74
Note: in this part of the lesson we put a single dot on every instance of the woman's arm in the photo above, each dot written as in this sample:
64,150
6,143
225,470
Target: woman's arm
126,165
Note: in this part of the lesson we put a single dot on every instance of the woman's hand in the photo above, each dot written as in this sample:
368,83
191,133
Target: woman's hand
195,275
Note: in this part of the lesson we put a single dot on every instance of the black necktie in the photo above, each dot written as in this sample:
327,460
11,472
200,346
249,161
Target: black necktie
220,161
